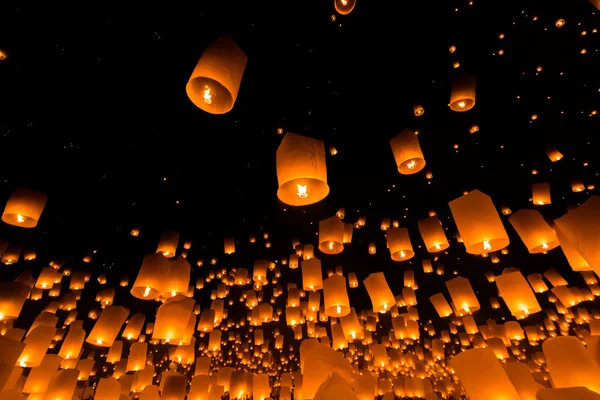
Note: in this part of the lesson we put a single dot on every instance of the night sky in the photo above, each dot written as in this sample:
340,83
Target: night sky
93,112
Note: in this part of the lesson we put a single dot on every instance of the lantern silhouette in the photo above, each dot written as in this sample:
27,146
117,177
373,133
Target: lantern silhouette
462,97
24,208
478,222
167,244
215,82
301,170
407,152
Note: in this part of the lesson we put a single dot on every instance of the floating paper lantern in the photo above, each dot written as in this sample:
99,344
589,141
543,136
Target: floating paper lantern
534,231
24,208
344,7
407,152
571,364
229,244
107,326
301,170
541,193
462,97
312,274
553,154
433,234
478,222
398,242
493,384
418,110
331,235
12,298
337,303
463,297
379,292
215,82
516,293
168,243
149,283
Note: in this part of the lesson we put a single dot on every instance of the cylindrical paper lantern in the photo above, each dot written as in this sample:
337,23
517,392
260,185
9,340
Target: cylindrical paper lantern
337,303
433,234
214,84
301,170
478,222
344,7
331,235
24,208
462,97
534,231
407,152
399,244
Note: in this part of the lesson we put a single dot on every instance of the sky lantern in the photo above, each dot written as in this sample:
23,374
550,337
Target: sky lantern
517,294
107,326
462,97
534,231
379,292
215,82
24,208
344,7
407,152
463,298
331,235
570,363
399,245
301,170
433,234
312,274
478,222
167,245
337,303
149,283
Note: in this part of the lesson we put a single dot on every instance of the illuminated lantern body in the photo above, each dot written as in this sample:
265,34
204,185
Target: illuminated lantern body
462,97
335,295
541,193
516,293
301,170
463,297
215,82
407,152
433,234
12,298
312,274
418,110
344,7
172,318
478,222
229,244
331,235
571,364
398,242
580,230
493,384
379,291
168,243
107,326
534,231
24,208
149,283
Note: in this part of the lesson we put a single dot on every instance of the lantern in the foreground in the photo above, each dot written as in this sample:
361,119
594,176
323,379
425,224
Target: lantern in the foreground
12,298
570,363
301,170
534,231
215,82
462,97
493,384
478,222
344,7
24,208
407,152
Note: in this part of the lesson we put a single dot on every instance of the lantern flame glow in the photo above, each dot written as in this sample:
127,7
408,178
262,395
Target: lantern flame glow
207,96
302,191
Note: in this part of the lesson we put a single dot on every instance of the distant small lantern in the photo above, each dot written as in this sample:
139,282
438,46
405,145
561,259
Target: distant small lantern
215,81
418,110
